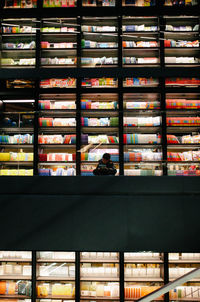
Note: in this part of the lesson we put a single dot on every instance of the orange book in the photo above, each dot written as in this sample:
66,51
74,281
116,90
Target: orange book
2,287
127,292
132,292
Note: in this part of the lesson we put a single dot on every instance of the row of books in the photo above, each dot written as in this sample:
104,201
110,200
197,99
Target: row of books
15,156
102,82
98,139
103,3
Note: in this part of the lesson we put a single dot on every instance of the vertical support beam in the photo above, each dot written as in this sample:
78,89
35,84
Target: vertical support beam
161,24
79,37
79,3
36,127
120,100
39,7
166,275
38,44
121,127
37,95
2,4
162,89
34,275
121,276
1,30
164,125
118,4
77,276
78,100
78,127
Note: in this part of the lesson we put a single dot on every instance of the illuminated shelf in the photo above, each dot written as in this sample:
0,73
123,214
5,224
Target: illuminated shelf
60,278
20,146
56,260
56,297
185,261
60,146
102,260
143,279
114,279
15,277
151,261
56,163
15,260
17,163
98,298
14,297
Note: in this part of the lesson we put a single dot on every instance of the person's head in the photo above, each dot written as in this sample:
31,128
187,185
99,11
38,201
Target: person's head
106,158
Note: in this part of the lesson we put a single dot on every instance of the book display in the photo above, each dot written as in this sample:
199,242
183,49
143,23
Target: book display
55,276
84,78
17,137
93,276
15,276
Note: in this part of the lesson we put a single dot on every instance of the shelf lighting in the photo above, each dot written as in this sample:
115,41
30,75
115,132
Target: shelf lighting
18,101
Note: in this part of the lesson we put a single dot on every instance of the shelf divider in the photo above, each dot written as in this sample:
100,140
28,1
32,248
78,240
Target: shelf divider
121,270
34,276
166,274
77,278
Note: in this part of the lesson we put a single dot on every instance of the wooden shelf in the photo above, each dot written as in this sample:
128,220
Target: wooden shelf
54,278
15,260
142,260
14,277
99,260
143,279
110,279
98,298
56,260
135,299
57,297
185,261
14,297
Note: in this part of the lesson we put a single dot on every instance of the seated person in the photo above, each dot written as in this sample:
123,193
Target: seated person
105,166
